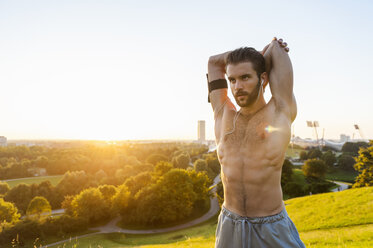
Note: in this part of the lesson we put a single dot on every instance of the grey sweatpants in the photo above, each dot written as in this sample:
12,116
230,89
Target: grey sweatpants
235,231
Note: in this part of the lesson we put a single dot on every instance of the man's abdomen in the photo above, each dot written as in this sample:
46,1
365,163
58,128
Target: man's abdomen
252,192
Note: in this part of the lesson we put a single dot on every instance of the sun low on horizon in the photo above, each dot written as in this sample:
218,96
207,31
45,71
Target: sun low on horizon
118,71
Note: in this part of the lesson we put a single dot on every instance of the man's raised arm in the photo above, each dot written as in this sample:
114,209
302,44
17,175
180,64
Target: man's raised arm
218,93
280,70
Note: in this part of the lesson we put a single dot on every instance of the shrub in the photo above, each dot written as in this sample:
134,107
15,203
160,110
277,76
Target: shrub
314,168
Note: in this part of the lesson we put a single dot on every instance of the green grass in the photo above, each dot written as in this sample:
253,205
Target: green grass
298,177
352,236
53,179
204,233
341,219
330,210
341,175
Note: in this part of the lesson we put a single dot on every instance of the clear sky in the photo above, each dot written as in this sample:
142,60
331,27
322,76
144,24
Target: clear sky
136,69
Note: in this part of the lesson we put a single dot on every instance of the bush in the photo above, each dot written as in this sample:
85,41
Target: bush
38,205
320,187
314,168
156,158
329,158
293,189
303,155
4,188
31,229
353,148
314,153
200,165
8,212
364,165
346,162
181,161
287,172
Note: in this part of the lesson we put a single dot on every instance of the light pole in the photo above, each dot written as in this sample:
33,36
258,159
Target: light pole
314,124
358,128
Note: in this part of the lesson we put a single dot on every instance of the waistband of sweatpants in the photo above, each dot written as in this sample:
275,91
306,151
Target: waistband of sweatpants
255,220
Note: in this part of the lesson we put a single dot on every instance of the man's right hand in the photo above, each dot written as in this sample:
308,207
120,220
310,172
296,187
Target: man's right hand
216,66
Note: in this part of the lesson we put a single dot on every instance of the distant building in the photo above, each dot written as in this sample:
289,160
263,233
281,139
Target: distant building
344,138
3,141
37,171
201,131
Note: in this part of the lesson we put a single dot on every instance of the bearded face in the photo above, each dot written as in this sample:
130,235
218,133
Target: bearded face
246,99
244,83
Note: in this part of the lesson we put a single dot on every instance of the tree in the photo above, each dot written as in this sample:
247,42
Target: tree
303,155
314,168
20,195
200,165
287,172
38,205
155,158
170,199
8,212
47,190
293,189
162,167
346,162
364,165
100,176
314,153
73,182
329,158
91,205
41,162
108,192
353,147
213,163
136,183
121,200
181,161
67,205
4,188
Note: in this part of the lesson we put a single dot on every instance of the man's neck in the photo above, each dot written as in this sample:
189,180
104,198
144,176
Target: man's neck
251,110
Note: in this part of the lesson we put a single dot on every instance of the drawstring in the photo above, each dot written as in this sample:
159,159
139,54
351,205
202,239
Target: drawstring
244,231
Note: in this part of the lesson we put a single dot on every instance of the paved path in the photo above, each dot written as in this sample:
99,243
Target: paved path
111,226
342,186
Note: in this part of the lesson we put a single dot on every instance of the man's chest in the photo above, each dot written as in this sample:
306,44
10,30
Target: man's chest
265,135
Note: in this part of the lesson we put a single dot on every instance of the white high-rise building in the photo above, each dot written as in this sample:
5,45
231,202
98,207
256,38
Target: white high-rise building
201,131
3,141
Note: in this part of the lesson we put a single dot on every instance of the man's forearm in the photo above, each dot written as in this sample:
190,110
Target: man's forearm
216,66
268,59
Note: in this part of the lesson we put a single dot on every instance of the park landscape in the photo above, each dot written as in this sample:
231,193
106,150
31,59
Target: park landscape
98,185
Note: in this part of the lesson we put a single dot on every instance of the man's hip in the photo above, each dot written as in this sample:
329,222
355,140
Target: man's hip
235,231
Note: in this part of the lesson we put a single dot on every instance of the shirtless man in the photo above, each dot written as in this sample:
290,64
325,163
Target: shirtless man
251,145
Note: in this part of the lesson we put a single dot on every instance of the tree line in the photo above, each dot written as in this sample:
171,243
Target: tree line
160,188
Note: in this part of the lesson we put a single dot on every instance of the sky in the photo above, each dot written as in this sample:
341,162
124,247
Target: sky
119,70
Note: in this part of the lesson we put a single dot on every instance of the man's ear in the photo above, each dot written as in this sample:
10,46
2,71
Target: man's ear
264,78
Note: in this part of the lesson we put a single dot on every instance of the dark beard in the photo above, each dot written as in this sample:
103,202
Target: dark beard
251,98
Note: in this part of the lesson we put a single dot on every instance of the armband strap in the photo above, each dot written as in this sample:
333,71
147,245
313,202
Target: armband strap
216,84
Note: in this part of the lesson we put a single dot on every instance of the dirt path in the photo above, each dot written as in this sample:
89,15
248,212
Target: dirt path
111,226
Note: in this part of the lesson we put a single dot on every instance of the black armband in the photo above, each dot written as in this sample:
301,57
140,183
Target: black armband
216,84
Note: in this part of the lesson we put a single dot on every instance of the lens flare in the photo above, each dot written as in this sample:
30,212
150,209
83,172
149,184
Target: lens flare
270,129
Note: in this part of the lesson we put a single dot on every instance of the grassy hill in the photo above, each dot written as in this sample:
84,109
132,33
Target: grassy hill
342,219
30,180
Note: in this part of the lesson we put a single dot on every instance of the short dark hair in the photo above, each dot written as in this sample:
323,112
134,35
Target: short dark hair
247,54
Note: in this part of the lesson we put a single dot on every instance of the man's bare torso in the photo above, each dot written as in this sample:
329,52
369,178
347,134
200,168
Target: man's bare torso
251,158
